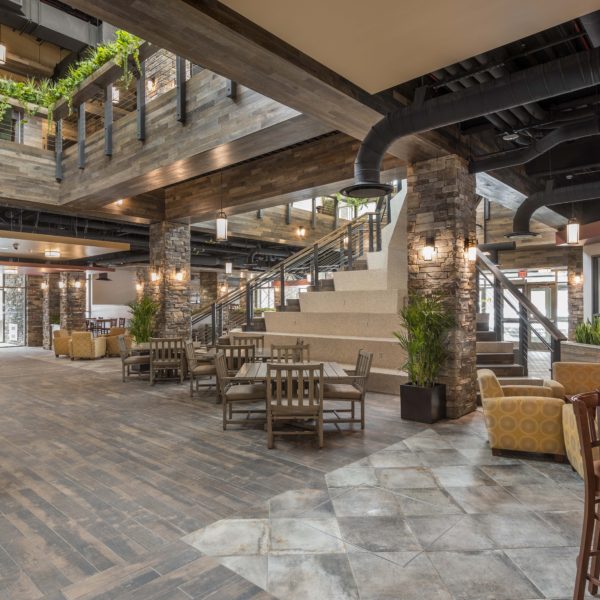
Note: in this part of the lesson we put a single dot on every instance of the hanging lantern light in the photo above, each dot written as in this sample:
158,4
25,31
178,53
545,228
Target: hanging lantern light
228,267
221,233
573,231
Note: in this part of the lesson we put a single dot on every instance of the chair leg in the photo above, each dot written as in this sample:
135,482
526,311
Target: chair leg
362,413
320,430
583,558
191,386
123,372
595,566
224,414
269,432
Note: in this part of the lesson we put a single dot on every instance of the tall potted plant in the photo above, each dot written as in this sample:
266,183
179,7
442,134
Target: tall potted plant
426,324
143,315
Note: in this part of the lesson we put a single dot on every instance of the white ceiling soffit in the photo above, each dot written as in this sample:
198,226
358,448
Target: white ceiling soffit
382,43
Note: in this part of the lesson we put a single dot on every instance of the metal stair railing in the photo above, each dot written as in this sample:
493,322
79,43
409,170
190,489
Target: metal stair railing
505,291
340,249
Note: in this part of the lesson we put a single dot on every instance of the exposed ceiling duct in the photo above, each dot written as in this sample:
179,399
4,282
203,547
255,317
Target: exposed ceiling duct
551,197
520,156
591,26
575,72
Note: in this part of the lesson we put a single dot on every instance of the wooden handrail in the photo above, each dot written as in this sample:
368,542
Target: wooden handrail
548,325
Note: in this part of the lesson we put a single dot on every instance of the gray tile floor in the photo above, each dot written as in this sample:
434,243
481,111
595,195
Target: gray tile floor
435,516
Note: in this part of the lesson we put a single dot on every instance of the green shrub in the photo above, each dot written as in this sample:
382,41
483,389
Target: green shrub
426,321
143,315
588,332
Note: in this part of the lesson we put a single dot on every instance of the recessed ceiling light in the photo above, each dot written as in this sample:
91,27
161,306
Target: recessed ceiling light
52,253
509,137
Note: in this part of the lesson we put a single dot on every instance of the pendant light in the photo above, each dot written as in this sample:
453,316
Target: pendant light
228,267
573,231
221,233
2,49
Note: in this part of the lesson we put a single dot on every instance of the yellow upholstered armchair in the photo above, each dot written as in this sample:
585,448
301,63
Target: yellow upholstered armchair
84,345
525,418
112,344
60,342
575,378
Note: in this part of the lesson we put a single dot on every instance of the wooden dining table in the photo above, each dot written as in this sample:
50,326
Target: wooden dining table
257,372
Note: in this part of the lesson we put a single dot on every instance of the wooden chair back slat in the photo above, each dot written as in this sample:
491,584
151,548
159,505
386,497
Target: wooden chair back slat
363,368
166,349
236,355
256,340
123,349
292,386
290,353
586,408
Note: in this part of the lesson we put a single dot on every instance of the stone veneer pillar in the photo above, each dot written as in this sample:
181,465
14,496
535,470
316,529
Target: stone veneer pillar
34,302
51,307
441,204
575,288
170,249
72,301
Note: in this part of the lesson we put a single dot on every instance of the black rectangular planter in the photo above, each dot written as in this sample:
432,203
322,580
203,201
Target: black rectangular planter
422,404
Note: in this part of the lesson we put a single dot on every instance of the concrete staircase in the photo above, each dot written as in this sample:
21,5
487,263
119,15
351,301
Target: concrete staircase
495,355
355,310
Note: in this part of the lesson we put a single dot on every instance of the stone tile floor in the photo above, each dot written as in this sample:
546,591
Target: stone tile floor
119,491
434,516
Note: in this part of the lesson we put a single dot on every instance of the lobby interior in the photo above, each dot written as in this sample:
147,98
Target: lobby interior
209,209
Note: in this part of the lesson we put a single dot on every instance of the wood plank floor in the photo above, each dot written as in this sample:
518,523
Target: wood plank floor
100,480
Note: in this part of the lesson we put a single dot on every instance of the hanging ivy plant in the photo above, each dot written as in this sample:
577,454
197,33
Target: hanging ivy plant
34,94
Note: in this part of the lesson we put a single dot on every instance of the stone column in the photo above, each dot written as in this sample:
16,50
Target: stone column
575,288
34,302
51,306
72,301
208,288
170,248
441,204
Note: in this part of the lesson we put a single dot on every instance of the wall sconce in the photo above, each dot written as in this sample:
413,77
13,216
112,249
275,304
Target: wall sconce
224,289
429,248
44,285
154,276
178,274
116,95
77,284
471,249
228,267
61,285
577,279
243,274
119,202
572,232
151,84
139,286
301,232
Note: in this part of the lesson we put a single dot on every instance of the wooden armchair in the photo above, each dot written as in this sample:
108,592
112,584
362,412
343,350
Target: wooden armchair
167,357
353,393
235,394
290,353
84,345
253,339
60,342
198,369
127,360
112,345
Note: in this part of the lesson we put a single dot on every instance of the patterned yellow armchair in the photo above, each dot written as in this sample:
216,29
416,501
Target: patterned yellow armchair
525,418
575,378
112,344
60,342
84,345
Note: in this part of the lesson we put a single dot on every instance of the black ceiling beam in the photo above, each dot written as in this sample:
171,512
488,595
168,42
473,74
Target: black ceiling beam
566,158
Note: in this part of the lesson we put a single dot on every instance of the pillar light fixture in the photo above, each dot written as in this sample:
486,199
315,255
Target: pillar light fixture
429,248
154,276
577,279
139,286
471,249
301,232
77,284
228,267
573,231
179,274
44,285
61,285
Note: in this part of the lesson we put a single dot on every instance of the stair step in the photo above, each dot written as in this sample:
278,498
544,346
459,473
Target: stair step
486,336
495,358
325,285
360,265
504,370
494,346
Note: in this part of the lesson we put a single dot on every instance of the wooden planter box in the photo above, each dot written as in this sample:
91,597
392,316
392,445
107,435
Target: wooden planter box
575,352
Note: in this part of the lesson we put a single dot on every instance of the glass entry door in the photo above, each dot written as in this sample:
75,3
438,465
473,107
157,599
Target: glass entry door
543,297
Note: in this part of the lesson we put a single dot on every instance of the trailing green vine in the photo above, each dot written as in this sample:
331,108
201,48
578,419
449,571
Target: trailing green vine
34,94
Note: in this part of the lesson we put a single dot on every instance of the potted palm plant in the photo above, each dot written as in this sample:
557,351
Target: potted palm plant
426,324
143,315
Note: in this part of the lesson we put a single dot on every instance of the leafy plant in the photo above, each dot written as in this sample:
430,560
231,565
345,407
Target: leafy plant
54,320
588,332
426,321
143,316
351,201
34,94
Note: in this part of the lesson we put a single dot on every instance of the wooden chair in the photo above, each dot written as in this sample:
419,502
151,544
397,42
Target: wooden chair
290,353
233,394
254,339
128,360
198,369
294,393
236,355
166,355
586,408
121,321
354,392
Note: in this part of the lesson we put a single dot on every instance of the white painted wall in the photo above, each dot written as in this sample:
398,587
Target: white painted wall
110,298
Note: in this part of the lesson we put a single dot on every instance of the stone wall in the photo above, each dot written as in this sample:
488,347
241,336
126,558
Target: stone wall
50,307
34,301
575,288
72,302
441,203
170,249
207,288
